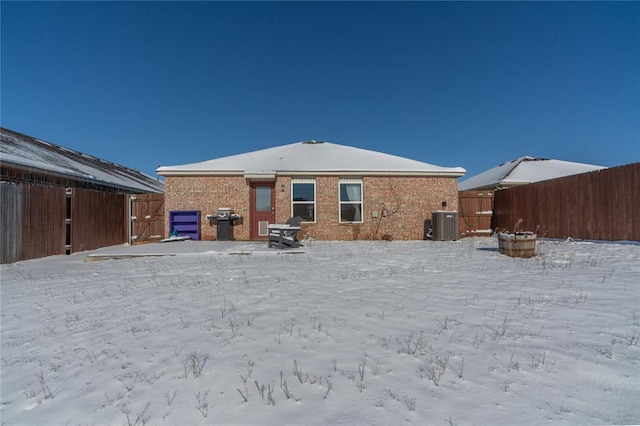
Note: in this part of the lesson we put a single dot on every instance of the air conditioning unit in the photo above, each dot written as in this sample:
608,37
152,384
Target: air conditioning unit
445,225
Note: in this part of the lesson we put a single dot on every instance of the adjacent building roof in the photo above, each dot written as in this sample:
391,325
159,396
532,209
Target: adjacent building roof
524,170
310,157
27,153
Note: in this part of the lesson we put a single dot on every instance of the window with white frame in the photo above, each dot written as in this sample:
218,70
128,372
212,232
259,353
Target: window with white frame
350,201
303,199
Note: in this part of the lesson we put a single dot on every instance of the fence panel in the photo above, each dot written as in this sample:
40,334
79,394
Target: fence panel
475,212
98,219
147,218
10,213
33,221
600,205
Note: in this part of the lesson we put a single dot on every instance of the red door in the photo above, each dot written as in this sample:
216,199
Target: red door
263,209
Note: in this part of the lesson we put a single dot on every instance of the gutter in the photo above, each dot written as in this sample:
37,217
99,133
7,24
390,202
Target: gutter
266,175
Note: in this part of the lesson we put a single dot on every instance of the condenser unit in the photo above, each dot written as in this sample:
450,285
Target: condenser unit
445,225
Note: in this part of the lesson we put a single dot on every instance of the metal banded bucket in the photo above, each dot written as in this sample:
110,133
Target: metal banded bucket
519,244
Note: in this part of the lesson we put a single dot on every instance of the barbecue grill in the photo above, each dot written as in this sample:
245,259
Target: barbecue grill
225,221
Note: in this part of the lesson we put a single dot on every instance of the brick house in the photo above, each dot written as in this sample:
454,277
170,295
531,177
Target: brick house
341,192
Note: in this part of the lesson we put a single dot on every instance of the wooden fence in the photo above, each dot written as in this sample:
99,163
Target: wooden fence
147,218
44,220
98,219
474,215
600,205
33,221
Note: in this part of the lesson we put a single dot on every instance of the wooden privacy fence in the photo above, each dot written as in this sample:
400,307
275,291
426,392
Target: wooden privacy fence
600,205
45,220
98,219
147,218
33,221
475,210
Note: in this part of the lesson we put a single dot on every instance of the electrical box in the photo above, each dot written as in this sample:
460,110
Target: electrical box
445,225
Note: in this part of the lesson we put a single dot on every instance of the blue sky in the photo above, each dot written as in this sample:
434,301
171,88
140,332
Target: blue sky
145,84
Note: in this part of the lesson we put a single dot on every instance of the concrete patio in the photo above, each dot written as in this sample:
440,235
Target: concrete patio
187,247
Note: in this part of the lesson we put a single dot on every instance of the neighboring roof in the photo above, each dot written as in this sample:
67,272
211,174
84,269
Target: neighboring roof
310,157
524,170
25,152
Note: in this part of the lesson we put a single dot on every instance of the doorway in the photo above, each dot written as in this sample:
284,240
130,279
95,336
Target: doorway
263,209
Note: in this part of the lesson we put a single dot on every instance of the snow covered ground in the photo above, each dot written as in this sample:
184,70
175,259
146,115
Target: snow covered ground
347,333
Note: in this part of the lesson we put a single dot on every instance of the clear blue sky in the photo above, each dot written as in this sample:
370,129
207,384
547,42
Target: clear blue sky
449,83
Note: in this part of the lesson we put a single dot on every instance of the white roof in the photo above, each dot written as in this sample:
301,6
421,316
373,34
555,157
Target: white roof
311,157
26,152
524,170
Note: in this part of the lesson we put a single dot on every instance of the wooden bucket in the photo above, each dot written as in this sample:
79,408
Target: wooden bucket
519,244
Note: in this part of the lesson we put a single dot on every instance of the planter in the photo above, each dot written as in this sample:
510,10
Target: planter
518,244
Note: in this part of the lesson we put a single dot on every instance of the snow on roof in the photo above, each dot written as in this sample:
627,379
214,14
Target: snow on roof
27,152
524,170
311,157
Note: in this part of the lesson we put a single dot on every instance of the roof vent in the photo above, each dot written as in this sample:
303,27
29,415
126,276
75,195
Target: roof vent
312,142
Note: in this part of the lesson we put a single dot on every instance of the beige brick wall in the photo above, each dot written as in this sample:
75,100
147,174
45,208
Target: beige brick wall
407,200
208,193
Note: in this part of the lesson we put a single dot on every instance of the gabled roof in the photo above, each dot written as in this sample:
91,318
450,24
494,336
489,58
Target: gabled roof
524,170
311,157
25,152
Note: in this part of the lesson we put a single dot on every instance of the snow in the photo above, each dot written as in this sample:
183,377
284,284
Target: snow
29,152
533,171
525,170
355,333
304,157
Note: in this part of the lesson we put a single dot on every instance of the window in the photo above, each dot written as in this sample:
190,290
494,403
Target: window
351,201
304,199
263,198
